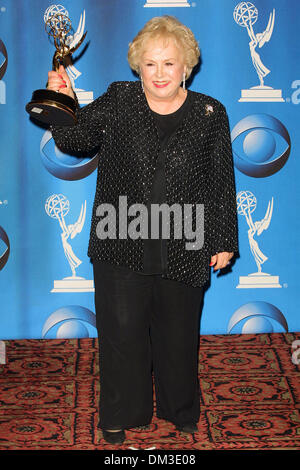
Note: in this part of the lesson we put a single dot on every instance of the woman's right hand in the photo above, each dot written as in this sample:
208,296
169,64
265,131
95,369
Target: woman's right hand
59,81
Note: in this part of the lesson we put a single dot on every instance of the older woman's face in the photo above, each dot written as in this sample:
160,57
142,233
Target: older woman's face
162,69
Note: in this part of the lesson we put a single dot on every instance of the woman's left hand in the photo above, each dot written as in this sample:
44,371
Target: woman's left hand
221,260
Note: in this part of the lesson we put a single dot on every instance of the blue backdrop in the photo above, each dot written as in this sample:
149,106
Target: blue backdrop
250,62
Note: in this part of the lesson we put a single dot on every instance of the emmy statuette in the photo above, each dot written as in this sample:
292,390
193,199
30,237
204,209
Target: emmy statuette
47,106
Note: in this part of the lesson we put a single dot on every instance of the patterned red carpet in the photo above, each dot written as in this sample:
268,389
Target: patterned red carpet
250,397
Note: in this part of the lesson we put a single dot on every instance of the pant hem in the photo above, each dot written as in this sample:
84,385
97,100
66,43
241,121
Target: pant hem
174,422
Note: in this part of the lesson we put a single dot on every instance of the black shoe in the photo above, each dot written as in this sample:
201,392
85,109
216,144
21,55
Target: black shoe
117,437
191,428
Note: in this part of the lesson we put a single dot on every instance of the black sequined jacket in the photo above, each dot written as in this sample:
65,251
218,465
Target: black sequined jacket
199,170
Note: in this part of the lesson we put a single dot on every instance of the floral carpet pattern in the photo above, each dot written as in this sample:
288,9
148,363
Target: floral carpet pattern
249,393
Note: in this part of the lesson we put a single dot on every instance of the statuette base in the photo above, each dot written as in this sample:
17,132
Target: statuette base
51,107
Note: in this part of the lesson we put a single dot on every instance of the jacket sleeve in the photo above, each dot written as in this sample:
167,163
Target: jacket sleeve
87,134
224,226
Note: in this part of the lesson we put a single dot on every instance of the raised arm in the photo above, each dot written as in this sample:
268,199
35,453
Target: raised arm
87,134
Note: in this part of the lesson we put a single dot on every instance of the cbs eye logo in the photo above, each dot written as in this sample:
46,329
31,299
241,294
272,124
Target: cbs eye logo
257,317
261,145
3,67
4,251
3,59
71,321
64,166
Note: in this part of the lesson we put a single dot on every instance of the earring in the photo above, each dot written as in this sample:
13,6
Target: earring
142,84
183,81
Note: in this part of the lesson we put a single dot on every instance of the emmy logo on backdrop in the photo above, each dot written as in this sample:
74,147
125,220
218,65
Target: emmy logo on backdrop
84,97
245,14
167,3
246,204
57,206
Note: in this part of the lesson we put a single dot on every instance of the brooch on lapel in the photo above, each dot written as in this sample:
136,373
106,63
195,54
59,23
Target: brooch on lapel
208,110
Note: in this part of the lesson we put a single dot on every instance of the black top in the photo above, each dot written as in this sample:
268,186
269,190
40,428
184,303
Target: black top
155,250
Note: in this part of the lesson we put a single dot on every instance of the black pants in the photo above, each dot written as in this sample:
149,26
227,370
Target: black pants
146,323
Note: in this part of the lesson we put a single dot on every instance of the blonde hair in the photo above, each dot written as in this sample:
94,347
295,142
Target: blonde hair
165,27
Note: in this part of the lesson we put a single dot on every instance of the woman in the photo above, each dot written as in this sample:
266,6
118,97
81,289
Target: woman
158,143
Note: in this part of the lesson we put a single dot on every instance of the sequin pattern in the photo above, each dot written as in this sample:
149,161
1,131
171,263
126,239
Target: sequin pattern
199,170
